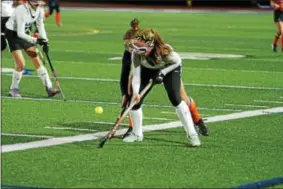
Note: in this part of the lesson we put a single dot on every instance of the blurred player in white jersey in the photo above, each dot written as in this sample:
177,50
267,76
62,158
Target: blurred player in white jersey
7,9
15,32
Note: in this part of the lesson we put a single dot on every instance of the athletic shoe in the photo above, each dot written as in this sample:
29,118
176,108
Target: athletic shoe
274,47
132,138
194,140
128,132
52,92
14,93
202,128
27,72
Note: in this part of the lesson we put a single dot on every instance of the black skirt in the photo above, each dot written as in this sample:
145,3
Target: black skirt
16,43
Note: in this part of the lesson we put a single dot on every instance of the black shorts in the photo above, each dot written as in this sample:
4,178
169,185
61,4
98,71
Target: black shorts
171,82
16,43
278,16
53,4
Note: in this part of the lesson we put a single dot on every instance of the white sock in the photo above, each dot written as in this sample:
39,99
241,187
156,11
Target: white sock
16,78
43,75
137,117
184,115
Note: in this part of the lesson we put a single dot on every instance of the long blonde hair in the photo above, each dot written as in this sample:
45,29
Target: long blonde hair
161,49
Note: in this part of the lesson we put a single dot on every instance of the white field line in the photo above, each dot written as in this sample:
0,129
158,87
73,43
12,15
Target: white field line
231,70
246,105
69,128
165,112
281,96
174,113
110,103
157,118
154,127
185,68
187,84
266,101
26,135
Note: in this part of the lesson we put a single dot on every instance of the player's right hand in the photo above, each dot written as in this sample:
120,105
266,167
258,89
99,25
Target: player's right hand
136,98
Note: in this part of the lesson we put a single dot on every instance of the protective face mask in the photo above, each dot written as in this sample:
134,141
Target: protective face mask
139,50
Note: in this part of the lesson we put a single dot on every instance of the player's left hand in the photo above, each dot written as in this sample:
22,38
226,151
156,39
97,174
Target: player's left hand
158,78
44,44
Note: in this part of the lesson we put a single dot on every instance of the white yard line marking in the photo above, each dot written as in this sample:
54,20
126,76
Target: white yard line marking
154,127
164,112
187,84
234,86
185,67
109,103
174,113
266,101
246,105
157,118
26,135
69,128
231,70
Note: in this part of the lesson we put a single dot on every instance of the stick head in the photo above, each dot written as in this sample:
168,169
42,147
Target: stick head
102,142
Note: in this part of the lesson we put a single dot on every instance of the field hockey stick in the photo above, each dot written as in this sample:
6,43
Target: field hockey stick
124,114
41,56
54,74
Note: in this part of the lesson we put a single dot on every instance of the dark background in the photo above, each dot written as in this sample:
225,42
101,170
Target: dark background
194,3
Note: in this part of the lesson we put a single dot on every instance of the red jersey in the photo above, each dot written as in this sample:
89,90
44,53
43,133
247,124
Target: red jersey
278,1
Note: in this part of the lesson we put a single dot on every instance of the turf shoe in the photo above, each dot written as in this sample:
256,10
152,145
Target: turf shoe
128,132
132,138
14,93
52,92
274,47
202,128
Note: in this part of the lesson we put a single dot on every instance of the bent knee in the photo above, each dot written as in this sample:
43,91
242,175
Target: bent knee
32,54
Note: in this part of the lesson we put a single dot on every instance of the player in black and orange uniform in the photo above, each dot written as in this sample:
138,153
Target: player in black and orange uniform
126,65
277,5
54,4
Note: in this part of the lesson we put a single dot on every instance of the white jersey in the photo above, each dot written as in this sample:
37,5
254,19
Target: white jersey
168,64
171,59
7,8
23,18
